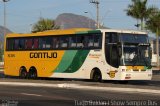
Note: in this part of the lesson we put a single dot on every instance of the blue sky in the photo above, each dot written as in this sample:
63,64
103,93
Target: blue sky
21,14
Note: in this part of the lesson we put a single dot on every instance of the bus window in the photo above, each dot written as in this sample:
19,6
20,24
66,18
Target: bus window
80,41
86,40
10,44
90,42
42,43
21,44
16,46
97,40
28,43
35,43
55,42
114,57
111,37
48,42
64,42
72,42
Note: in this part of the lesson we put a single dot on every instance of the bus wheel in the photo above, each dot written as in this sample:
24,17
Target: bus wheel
23,73
32,73
96,76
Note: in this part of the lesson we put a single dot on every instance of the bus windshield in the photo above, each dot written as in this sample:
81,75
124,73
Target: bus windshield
127,49
134,38
136,55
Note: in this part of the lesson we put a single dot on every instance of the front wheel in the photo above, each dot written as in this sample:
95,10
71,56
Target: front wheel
97,77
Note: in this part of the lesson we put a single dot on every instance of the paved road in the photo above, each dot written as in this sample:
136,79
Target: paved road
153,84
40,96
71,96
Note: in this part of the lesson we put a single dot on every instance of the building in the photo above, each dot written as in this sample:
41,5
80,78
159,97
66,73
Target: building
154,52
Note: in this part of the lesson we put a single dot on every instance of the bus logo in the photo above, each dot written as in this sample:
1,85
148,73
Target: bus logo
112,74
43,55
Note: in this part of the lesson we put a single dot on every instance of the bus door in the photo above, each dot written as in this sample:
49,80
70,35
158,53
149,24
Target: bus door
111,53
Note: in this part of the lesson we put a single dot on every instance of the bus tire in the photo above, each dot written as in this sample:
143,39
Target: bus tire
96,75
23,73
32,73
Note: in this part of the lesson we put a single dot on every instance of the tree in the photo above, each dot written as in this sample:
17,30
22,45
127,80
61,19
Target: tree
139,10
44,24
153,24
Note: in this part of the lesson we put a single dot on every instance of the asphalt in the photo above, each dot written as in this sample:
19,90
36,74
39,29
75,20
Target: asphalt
65,92
152,84
41,96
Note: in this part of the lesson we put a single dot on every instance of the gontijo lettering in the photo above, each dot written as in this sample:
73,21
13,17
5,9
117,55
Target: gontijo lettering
43,55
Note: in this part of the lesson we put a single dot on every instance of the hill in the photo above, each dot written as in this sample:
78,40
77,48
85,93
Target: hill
69,20
2,33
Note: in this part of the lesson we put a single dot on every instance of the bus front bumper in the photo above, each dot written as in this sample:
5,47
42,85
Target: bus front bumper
147,75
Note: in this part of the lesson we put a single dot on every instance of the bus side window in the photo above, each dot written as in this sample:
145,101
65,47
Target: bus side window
21,45
97,40
86,41
10,44
72,42
64,42
55,42
42,43
16,46
48,42
90,42
80,41
28,43
35,43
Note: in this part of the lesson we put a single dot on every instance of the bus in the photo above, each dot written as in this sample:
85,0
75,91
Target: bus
79,53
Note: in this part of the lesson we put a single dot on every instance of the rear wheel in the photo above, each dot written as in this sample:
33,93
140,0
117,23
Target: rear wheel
23,73
97,76
32,73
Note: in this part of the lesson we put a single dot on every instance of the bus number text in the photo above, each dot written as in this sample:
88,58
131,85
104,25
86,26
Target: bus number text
11,55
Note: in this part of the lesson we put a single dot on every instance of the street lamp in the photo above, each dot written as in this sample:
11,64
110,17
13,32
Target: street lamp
96,2
89,24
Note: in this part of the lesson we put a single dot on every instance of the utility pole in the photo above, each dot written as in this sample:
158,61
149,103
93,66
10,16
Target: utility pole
96,2
4,1
4,30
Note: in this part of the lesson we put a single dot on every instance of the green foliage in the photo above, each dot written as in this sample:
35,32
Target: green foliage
44,24
153,22
139,10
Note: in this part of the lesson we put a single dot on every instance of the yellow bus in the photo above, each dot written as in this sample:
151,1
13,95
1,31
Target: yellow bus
103,54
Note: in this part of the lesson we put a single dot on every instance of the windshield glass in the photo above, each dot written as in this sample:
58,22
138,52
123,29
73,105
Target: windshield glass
136,55
134,38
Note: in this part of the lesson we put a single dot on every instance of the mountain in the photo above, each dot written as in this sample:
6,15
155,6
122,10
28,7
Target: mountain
2,33
69,20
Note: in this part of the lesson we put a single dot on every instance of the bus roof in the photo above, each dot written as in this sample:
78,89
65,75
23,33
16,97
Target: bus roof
123,31
55,32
